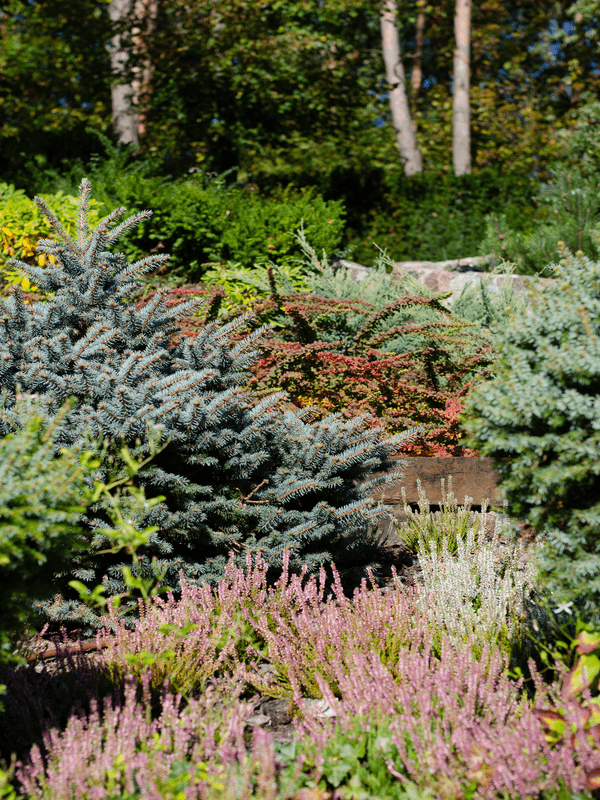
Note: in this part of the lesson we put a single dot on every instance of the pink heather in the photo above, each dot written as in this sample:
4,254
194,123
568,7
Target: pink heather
453,717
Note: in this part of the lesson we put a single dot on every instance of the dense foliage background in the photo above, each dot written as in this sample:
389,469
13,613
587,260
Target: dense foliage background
292,93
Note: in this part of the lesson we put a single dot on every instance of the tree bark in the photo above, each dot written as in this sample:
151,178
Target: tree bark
125,123
461,116
416,77
394,70
145,14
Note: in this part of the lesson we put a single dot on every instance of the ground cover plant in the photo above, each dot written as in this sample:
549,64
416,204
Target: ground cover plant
385,703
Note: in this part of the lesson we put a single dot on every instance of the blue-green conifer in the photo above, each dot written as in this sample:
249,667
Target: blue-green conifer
239,475
538,415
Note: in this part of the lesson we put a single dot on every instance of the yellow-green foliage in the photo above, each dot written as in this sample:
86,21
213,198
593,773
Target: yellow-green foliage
21,227
244,284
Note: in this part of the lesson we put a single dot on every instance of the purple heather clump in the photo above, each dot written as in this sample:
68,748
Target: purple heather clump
119,750
293,625
449,722
448,718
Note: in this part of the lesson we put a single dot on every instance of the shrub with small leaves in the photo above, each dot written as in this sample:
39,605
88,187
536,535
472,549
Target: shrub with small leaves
21,227
42,499
405,362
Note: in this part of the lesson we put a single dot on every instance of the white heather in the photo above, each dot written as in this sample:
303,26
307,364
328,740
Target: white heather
480,591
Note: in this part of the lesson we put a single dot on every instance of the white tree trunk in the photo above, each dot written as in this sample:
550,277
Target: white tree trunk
125,122
394,71
461,116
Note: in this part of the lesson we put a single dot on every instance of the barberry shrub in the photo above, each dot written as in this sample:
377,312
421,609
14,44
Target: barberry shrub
402,358
239,475
42,499
539,417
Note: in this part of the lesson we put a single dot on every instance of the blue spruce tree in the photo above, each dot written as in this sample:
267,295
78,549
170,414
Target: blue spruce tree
238,474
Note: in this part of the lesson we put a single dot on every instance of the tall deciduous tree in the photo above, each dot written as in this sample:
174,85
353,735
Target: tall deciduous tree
461,106
416,76
145,14
124,118
394,72
134,22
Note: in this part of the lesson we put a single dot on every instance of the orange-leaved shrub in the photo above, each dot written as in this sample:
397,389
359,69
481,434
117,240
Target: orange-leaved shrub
352,357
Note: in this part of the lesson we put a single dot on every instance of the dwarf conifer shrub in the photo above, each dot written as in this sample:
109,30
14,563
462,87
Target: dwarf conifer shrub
239,475
539,417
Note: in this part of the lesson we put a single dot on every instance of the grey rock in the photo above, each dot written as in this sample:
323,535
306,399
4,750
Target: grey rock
449,276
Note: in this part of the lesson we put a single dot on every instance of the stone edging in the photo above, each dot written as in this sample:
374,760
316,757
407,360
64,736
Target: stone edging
449,276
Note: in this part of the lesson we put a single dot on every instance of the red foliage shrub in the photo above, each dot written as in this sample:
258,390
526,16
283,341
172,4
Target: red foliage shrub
326,354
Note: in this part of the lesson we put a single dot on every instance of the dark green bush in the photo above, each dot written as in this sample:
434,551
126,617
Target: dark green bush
202,218
569,210
539,417
200,221
437,216
42,498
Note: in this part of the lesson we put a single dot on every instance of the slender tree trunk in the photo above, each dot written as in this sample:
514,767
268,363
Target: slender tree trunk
125,121
145,13
461,117
401,119
416,77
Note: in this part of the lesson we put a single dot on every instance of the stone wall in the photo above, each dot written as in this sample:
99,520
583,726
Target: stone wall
449,276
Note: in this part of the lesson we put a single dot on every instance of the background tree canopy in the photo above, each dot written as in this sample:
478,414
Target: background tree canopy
293,93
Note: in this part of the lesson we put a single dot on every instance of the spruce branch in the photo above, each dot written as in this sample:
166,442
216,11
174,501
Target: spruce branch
83,229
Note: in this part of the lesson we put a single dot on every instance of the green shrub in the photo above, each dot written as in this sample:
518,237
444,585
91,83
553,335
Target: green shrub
437,216
42,498
579,145
539,417
203,218
200,221
21,227
569,210
476,303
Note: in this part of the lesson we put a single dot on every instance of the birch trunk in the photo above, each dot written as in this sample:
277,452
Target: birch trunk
461,116
394,70
145,13
125,123
416,77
